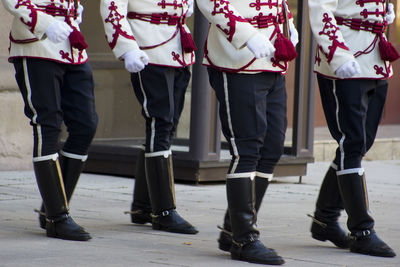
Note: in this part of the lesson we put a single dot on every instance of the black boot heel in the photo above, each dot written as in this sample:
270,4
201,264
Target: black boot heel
225,239
329,232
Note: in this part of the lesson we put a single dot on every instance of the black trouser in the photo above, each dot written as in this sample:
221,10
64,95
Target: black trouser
253,117
54,93
161,92
353,110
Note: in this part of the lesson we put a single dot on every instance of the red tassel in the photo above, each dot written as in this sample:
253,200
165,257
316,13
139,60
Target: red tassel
387,50
284,49
77,40
187,42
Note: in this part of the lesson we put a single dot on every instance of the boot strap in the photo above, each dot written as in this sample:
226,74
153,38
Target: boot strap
249,239
58,218
323,225
361,234
162,214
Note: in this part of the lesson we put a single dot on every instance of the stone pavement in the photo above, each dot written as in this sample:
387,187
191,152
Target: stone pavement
99,202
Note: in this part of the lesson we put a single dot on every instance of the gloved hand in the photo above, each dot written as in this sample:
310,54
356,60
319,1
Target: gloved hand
348,69
58,31
390,15
260,46
79,14
191,8
294,35
135,60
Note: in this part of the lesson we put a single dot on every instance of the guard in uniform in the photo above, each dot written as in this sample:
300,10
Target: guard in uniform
247,56
48,53
353,63
156,46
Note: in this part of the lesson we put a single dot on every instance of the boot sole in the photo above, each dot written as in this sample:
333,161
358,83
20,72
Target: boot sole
177,231
274,261
370,253
72,238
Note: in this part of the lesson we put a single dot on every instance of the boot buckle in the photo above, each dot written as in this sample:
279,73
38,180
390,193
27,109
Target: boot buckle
164,213
360,234
365,232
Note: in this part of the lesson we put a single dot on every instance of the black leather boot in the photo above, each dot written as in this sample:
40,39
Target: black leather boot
160,182
325,225
245,243
51,186
71,169
364,240
141,207
225,236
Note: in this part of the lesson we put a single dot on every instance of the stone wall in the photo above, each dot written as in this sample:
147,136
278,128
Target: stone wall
15,131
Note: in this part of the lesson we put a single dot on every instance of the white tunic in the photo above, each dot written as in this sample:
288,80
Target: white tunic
31,19
338,44
232,24
151,25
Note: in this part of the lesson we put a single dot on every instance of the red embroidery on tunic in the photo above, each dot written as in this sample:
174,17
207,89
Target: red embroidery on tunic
65,55
33,13
164,4
114,18
176,57
380,71
330,30
365,13
362,2
258,4
275,63
222,7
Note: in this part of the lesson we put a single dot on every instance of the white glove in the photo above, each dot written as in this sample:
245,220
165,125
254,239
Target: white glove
294,35
79,14
191,8
390,16
135,60
260,46
348,69
58,31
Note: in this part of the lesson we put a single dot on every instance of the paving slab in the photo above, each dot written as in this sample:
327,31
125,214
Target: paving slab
99,203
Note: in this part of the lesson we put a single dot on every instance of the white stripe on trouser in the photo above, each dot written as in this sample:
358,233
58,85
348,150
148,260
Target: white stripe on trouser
334,166
83,158
360,171
29,99
250,175
53,157
164,153
268,176
146,112
232,139
341,148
